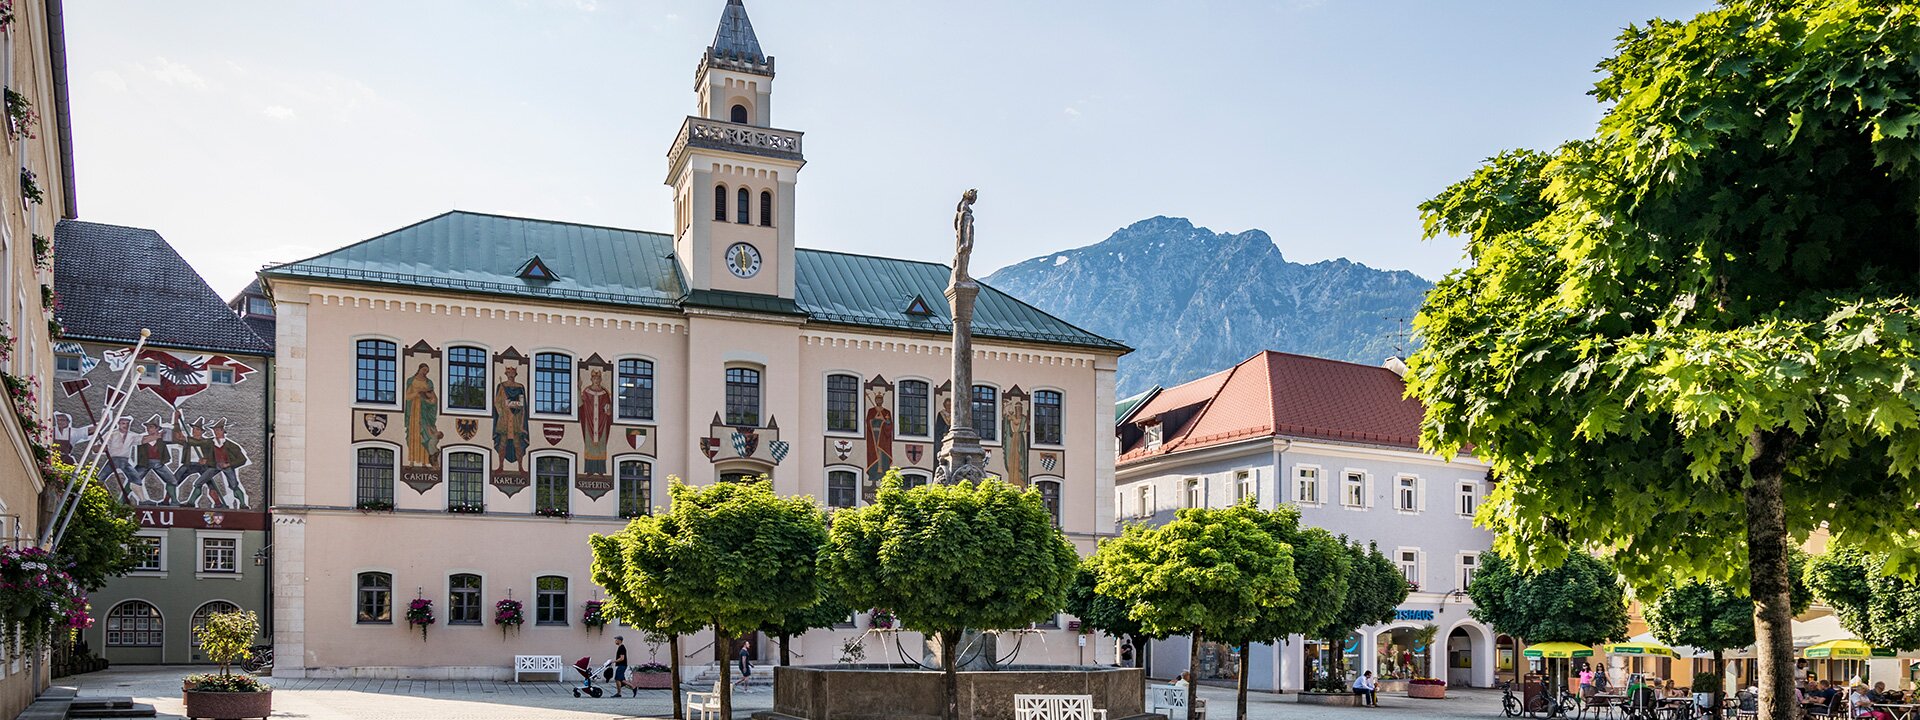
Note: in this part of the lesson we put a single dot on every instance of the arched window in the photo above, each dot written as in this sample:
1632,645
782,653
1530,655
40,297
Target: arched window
553,383
550,484
910,417
1047,413
1050,496
843,488
550,600
135,623
843,403
740,114
742,207
466,378
743,397
720,203
201,615
636,389
636,488
463,599
466,478
909,481
766,208
374,371
986,412
375,601
373,476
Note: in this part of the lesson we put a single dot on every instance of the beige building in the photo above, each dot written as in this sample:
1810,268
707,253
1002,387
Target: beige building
460,403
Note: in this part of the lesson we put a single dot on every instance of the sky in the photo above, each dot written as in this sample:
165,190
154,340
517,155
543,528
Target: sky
253,133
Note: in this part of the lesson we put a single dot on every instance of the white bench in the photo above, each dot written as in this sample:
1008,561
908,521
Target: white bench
1056,707
537,665
1171,701
707,704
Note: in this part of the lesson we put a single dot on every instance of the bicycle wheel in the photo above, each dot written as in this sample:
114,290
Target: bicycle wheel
1510,706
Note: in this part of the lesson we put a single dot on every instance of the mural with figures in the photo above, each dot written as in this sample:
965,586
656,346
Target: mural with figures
188,438
496,406
881,447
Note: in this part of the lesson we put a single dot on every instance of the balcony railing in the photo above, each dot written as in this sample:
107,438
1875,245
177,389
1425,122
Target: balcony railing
713,134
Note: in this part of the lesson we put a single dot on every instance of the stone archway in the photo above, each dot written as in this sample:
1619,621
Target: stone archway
1468,655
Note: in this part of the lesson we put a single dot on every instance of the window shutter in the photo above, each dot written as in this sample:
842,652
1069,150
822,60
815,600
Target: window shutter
1420,494
1367,482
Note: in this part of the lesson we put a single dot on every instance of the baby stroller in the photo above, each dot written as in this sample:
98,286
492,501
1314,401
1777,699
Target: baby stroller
586,671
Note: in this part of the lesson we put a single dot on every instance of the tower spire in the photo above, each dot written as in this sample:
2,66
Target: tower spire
735,47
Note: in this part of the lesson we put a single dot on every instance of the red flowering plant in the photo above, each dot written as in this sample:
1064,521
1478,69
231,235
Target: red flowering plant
594,617
1427,681
508,616
41,597
420,615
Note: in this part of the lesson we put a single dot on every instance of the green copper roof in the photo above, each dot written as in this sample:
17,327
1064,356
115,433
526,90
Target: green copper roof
473,252
1125,407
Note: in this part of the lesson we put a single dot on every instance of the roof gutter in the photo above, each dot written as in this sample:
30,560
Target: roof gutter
63,111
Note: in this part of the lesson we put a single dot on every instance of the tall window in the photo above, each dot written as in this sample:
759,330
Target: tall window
743,397
986,418
1196,493
636,488
463,599
636,389
739,114
205,613
1353,490
550,600
1050,495
1306,485
374,476
219,555
1407,497
376,597
466,478
1469,500
843,487
1146,501
843,403
146,551
1468,563
766,208
909,481
1409,562
550,484
911,416
374,371
1047,413
66,362
741,208
553,383
1244,486
720,203
135,624
466,378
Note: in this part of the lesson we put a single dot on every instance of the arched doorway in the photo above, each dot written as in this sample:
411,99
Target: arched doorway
1467,656
1506,665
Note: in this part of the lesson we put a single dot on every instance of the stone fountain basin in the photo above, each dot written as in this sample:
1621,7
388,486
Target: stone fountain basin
906,692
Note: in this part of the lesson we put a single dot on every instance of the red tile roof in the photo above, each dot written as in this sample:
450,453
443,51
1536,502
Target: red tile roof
1293,396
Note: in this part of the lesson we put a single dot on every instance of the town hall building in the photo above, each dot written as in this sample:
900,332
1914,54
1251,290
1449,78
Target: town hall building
461,402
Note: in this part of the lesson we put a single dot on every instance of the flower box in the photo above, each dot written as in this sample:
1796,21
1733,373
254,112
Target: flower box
1346,699
228,705
651,680
1427,691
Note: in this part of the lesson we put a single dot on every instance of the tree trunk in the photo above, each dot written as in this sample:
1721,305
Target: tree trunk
785,657
1193,674
1768,584
1240,706
950,666
1338,669
721,639
1720,690
673,686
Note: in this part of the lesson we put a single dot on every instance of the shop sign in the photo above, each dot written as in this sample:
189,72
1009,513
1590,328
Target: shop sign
1404,614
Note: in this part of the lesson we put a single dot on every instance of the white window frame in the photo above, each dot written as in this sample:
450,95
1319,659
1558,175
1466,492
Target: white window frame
1419,564
574,383
932,411
1409,505
1301,484
1356,489
1468,500
214,377
200,538
1464,566
1246,485
488,383
1193,492
655,409
161,536
826,486
859,403
1145,495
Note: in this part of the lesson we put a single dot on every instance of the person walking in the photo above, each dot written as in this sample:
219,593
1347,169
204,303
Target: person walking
1586,682
620,666
1364,689
746,662
1126,654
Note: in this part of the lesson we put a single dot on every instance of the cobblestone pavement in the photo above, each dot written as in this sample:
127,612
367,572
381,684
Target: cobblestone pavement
435,699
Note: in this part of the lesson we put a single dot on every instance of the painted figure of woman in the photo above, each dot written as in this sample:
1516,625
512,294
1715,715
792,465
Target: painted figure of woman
422,404
1016,440
879,428
596,419
510,421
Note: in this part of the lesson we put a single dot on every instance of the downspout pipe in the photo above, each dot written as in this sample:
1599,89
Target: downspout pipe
62,107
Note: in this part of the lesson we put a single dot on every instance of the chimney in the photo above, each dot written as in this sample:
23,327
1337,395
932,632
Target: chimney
1397,365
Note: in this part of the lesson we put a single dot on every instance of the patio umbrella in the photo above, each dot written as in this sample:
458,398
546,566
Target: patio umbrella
1642,649
1557,650
1848,649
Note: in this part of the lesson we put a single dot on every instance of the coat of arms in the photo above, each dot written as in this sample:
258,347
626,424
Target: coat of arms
745,442
710,447
554,432
843,448
1048,461
467,428
376,423
779,449
636,437
914,452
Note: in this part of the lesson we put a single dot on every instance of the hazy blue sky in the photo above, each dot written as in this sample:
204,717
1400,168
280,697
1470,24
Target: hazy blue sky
253,132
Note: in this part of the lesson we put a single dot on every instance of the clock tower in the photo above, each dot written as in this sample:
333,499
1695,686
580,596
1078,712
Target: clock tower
733,173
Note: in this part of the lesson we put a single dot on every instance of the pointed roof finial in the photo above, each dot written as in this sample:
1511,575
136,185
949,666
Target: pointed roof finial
735,47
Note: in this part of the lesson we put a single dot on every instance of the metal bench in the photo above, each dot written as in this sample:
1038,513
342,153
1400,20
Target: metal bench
537,665
1056,707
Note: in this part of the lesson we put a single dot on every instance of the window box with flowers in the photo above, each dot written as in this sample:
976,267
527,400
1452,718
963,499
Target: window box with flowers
420,615
30,187
466,508
42,252
509,616
594,616
881,620
374,506
552,513
40,599
21,117
1427,688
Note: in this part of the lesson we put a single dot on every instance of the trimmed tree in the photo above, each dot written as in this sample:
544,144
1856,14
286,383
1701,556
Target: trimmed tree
1208,574
1375,588
611,555
947,558
825,613
1581,600
1715,616
1690,338
733,555
1102,613
1871,601
1320,564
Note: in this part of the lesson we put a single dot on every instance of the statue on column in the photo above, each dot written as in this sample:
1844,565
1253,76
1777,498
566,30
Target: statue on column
961,457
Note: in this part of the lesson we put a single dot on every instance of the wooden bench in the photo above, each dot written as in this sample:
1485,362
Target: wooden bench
1171,701
706,704
537,665
1056,707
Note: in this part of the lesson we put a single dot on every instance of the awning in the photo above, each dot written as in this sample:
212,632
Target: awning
1557,650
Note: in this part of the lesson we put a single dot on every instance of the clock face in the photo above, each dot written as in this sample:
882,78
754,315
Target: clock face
743,260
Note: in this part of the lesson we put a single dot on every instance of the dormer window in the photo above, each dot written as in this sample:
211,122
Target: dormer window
535,269
918,306
1152,433
259,306
740,114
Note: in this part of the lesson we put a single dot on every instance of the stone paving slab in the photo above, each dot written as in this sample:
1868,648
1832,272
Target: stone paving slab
369,699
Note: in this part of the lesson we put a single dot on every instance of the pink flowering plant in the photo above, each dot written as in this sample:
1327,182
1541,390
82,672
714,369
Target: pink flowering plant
594,617
41,597
420,615
507,614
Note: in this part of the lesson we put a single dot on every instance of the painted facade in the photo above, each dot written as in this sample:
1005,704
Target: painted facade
453,428
1336,440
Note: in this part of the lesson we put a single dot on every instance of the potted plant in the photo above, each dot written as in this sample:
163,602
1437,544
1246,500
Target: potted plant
226,638
594,617
508,616
420,615
1427,688
651,676
1328,689
1703,686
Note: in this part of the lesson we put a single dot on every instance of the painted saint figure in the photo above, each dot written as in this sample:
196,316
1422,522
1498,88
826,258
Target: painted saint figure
510,421
942,418
1016,440
596,421
879,431
422,406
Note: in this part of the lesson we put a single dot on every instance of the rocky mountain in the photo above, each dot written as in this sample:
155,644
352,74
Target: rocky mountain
1192,301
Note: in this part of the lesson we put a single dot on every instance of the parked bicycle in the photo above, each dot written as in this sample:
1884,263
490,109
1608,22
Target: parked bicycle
259,657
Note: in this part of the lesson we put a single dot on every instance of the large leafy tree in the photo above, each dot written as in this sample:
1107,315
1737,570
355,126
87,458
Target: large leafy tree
1715,616
1690,338
1579,601
1103,613
96,546
1320,564
733,555
948,558
1375,588
1208,574
825,613
1879,606
634,607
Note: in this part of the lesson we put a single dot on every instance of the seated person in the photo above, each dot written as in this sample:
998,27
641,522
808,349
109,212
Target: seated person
1364,689
1879,693
1862,707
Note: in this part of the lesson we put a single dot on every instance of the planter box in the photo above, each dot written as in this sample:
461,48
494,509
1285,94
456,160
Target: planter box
651,681
1427,692
228,705
1335,699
